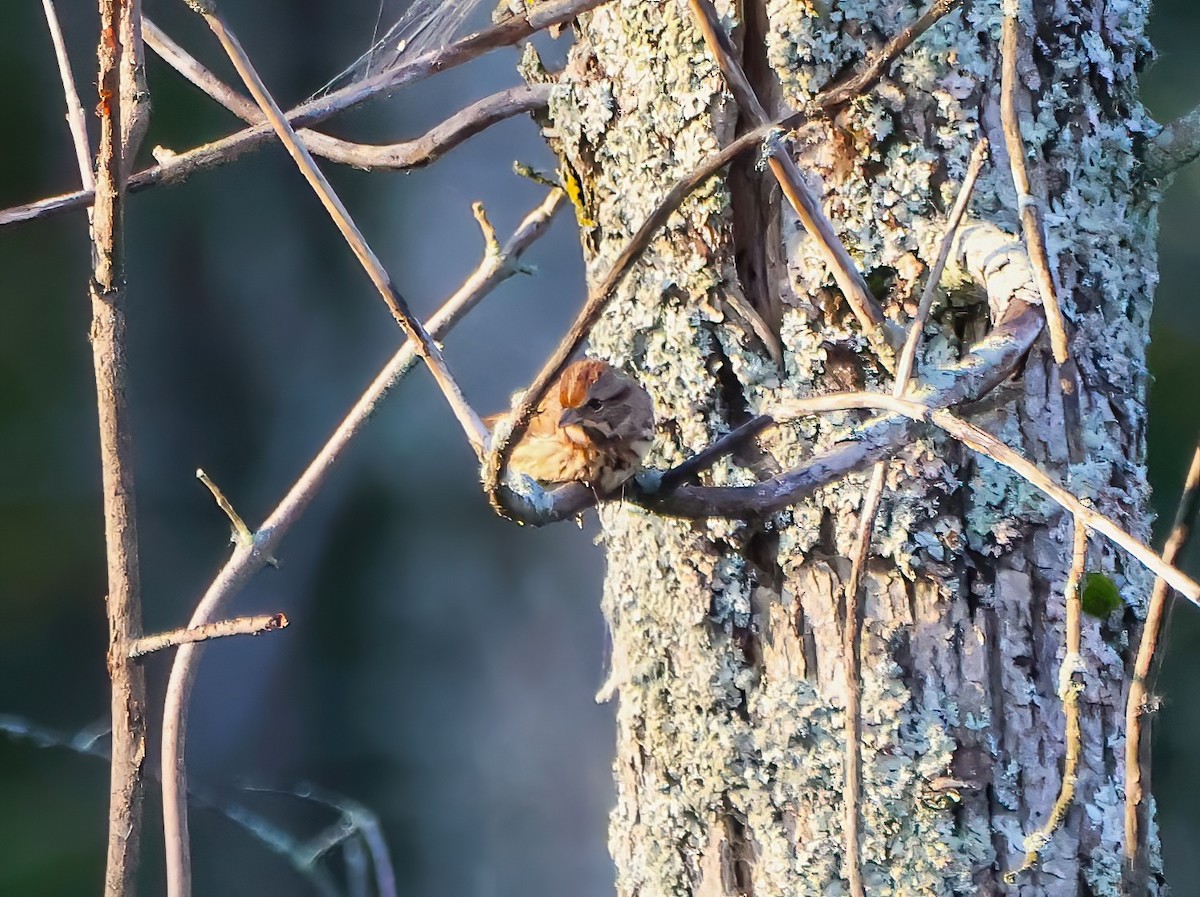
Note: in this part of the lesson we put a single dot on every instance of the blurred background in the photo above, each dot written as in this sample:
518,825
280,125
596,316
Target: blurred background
442,664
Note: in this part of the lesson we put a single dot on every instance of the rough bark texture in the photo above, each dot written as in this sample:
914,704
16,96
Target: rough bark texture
726,636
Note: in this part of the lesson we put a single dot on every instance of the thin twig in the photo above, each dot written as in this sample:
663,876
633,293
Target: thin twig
542,15
249,559
853,617
505,438
75,116
108,339
1027,204
427,148
707,457
148,644
429,351
1070,687
568,499
987,364
1136,872
791,181
840,94
241,532
135,108
989,446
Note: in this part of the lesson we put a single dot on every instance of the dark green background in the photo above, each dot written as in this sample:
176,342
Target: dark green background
441,665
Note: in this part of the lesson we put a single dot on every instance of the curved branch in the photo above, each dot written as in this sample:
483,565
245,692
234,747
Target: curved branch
429,147
1175,146
178,168
250,557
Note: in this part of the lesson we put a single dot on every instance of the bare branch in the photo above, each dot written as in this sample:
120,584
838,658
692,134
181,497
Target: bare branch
570,500
1136,872
474,428
148,644
840,94
1070,687
241,532
135,110
1174,146
545,14
506,437
989,446
75,116
250,558
108,339
787,173
1027,204
427,148
853,618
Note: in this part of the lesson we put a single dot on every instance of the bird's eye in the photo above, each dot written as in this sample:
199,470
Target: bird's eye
594,404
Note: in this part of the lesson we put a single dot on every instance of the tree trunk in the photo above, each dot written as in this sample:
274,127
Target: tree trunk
726,636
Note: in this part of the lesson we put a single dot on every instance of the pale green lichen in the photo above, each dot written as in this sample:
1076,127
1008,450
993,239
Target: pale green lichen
703,731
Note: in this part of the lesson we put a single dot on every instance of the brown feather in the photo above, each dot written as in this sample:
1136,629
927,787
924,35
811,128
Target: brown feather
595,428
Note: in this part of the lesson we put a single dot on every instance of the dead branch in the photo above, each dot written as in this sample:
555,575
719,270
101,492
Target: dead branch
247,559
108,339
429,351
1136,872
180,167
148,644
783,166
423,150
75,116
1070,687
838,95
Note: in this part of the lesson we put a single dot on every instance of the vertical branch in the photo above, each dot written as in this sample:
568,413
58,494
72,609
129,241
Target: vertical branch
1070,687
108,337
135,92
75,115
1027,205
1137,740
852,628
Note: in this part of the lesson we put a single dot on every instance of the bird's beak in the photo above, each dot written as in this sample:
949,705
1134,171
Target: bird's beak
569,417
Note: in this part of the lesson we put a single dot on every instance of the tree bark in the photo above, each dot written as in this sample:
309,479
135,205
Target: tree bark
726,636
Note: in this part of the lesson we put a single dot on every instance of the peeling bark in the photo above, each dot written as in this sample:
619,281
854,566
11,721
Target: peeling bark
726,637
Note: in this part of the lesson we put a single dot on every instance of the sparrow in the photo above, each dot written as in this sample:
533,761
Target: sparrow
595,427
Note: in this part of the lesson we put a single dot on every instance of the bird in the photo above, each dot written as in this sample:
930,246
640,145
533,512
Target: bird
595,427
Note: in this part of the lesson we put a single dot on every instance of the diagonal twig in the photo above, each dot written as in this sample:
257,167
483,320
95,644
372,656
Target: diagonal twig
506,436
75,116
853,618
542,15
1034,229
1136,871
429,351
860,82
849,279
415,153
148,644
248,559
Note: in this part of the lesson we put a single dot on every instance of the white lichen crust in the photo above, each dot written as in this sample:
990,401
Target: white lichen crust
726,645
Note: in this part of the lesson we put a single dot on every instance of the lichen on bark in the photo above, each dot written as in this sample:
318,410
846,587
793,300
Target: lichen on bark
726,646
